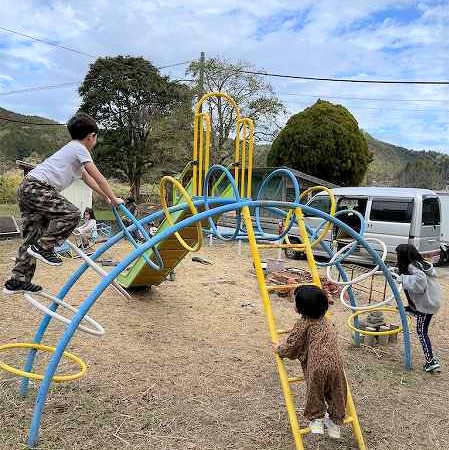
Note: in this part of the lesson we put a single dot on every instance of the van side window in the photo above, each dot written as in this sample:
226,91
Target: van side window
430,211
392,211
322,203
356,204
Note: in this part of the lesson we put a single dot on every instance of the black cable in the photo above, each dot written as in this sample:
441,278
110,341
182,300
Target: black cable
48,43
8,119
364,98
58,86
344,80
84,53
40,88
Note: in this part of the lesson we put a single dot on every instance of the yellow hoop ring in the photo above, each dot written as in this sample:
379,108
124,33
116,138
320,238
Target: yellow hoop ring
332,213
373,333
191,206
36,376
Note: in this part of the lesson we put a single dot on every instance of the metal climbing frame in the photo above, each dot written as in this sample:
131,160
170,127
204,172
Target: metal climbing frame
286,381
192,214
244,146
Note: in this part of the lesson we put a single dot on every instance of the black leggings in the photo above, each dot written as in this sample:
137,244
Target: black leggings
422,328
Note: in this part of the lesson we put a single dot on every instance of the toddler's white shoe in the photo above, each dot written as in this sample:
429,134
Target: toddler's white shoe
333,430
316,426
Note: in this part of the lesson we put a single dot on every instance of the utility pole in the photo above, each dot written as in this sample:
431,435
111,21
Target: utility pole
201,78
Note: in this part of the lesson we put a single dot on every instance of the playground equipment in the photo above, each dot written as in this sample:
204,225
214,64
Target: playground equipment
194,208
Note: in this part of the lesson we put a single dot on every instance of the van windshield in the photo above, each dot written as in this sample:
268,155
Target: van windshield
399,211
321,202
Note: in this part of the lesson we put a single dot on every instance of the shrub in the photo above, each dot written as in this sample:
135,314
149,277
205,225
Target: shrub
9,182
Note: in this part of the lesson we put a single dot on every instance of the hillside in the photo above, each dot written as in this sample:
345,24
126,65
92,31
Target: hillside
21,141
388,162
391,165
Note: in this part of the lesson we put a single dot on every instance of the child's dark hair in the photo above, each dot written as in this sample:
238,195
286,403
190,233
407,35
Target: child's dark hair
311,301
407,254
90,211
80,125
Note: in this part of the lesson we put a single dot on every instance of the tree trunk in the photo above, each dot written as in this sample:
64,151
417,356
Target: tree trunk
135,188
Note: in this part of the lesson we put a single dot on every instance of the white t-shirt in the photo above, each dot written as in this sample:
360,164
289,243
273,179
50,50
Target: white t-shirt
89,228
63,167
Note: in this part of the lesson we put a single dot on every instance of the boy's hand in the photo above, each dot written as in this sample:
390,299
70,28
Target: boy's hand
116,201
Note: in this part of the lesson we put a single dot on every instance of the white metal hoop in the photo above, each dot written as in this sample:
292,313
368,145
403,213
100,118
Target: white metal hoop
374,305
362,277
98,330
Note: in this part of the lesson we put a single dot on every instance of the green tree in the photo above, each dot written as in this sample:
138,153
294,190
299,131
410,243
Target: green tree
253,94
427,171
130,99
324,140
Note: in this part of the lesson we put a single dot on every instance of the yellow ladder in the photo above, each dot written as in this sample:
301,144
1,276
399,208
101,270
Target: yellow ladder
286,381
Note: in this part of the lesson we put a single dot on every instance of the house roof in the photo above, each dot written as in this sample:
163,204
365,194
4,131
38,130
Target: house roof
298,174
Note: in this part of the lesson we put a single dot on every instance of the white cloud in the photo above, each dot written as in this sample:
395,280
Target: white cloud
359,39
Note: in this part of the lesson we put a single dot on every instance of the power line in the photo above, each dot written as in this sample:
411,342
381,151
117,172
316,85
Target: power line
176,64
344,80
429,110
58,86
69,49
84,53
8,119
365,98
40,88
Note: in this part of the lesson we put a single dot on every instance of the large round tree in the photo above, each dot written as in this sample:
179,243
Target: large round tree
324,140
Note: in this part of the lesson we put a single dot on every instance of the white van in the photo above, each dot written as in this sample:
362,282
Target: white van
444,207
392,215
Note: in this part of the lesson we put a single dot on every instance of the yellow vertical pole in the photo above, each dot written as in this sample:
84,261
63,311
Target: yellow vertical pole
207,145
200,155
289,402
308,249
243,157
195,156
250,157
237,154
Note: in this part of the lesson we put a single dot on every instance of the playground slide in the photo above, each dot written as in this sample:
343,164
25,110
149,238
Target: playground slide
172,252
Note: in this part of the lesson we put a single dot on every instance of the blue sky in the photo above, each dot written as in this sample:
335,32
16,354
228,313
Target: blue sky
379,39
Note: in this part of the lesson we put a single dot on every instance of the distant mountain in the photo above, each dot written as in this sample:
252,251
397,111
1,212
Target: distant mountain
399,166
388,162
391,165
20,141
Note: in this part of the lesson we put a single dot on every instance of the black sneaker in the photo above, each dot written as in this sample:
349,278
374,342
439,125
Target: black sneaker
432,366
13,286
47,256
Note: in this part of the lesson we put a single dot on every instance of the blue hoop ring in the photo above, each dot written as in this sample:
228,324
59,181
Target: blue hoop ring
263,186
238,225
142,230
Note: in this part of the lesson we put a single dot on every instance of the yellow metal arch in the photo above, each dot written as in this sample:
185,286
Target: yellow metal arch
244,146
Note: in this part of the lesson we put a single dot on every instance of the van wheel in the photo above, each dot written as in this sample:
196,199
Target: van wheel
293,254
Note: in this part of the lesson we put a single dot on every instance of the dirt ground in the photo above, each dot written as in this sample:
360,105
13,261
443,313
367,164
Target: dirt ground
188,365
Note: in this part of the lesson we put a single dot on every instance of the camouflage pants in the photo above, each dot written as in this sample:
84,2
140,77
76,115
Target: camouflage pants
48,220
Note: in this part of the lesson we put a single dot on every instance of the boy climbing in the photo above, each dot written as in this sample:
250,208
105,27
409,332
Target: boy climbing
48,217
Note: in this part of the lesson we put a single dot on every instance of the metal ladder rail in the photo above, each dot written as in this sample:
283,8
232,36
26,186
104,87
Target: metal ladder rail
286,381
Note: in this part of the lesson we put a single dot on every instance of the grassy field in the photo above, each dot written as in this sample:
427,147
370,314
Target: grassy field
13,210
